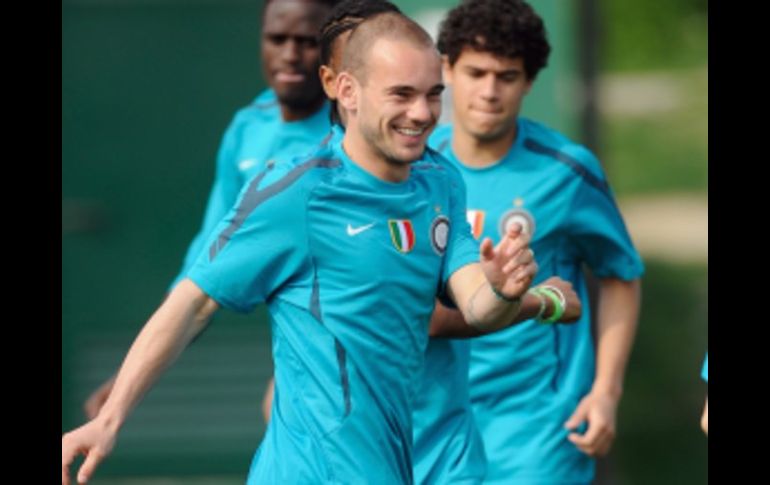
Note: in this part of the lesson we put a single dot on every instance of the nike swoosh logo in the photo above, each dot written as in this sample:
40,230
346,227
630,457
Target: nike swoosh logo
358,230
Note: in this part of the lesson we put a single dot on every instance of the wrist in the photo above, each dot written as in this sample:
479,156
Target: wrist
500,296
613,390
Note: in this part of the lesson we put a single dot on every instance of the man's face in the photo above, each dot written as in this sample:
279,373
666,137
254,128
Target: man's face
400,99
290,51
487,92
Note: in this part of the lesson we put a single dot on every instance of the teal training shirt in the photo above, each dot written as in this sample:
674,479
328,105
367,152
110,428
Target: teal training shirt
256,136
526,380
349,266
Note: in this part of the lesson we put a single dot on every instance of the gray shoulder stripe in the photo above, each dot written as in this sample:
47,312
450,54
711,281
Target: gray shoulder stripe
254,197
442,145
576,166
344,379
315,301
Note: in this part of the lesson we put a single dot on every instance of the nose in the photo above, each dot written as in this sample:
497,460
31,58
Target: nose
421,111
488,89
290,50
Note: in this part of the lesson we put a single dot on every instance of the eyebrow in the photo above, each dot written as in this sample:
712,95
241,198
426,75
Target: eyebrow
513,70
411,89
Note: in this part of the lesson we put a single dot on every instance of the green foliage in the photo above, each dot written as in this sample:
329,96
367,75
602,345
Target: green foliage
661,151
653,34
659,437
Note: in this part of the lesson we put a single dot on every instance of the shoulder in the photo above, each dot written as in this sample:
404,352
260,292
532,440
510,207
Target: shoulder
434,165
441,137
299,175
263,109
554,147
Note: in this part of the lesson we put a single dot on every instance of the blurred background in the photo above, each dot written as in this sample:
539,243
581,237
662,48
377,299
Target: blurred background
148,88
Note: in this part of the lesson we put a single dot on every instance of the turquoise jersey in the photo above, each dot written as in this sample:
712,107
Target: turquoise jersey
256,136
349,266
704,373
526,380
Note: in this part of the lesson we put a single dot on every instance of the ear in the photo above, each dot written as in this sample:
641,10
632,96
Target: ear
446,69
347,91
328,81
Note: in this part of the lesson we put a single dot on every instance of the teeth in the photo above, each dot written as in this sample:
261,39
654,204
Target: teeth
410,132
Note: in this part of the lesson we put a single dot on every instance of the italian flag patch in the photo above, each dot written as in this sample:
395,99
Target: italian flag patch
476,221
402,234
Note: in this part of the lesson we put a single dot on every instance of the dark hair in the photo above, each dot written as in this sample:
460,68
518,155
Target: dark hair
328,3
345,16
505,28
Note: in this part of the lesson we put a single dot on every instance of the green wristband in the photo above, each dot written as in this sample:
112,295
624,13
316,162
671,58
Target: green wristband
541,298
558,307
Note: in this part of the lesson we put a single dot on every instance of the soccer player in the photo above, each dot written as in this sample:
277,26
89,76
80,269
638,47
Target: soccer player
348,246
289,118
533,387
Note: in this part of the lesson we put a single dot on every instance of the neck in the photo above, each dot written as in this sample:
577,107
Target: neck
479,153
370,160
290,113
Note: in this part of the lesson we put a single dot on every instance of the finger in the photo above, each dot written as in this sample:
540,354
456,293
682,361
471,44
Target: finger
527,272
487,250
577,417
89,465
514,230
516,244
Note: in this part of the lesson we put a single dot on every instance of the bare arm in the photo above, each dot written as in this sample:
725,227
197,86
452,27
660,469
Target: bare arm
617,318
704,419
267,400
489,293
182,315
449,323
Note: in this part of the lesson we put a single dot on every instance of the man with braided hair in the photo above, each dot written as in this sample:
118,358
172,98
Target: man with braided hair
349,246
532,386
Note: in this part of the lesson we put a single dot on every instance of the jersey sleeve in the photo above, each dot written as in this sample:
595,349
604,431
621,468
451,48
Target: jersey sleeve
462,249
704,373
223,195
259,246
598,232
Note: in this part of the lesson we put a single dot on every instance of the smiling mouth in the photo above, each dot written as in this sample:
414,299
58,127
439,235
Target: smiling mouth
411,131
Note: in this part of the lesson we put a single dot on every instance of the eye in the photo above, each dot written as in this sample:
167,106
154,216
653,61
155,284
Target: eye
277,39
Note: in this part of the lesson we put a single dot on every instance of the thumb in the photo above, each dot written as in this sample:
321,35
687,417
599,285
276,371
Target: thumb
578,416
487,250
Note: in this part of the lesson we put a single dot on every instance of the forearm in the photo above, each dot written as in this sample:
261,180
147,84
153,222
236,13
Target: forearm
182,315
485,311
450,323
617,319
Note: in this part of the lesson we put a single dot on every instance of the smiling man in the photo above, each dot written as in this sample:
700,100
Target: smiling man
349,314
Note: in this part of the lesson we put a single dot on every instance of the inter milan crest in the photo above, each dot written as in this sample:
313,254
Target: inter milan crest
522,216
476,221
439,234
402,234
